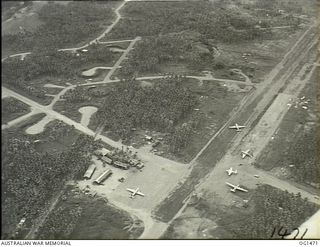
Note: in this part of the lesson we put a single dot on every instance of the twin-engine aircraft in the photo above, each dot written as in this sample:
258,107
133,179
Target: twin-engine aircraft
237,127
135,192
246,153
236,187
230,171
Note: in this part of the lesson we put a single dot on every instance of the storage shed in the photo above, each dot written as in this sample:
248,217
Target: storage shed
89,171
103,176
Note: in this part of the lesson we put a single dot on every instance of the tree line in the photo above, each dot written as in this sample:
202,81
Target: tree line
30,178
210,19
162,107
62,26
11,107
51,63
273,209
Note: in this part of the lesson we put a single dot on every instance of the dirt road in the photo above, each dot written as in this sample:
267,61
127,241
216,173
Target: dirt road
96,40
123,56
20,119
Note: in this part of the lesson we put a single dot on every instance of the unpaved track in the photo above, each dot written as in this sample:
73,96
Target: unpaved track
109,28
40,221
123,56
46,109
20,119
156,77
117,11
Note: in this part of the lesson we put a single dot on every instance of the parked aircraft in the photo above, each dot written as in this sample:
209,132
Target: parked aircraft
135,192
236,187
237,127
246,153
230,171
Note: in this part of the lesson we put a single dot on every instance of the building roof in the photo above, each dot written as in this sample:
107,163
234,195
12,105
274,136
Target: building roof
121,165
106,159
89,171
105,151
103,176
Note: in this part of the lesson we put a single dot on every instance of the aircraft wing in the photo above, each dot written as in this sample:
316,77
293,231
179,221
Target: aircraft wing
231,185
139,193
131,190
237,127
242,189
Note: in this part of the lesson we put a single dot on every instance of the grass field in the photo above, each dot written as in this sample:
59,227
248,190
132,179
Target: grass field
26,18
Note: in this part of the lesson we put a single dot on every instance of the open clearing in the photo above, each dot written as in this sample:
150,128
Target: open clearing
154,169
25,19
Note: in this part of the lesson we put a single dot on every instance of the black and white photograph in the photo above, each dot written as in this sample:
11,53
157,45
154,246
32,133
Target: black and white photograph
160,120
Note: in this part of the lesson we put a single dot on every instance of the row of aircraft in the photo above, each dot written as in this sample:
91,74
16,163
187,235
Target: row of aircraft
230,171
244,154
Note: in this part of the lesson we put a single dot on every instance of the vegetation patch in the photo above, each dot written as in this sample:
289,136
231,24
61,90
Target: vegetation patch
272,208
207,18
163,107
63,26
79,216
12,108
81,96
267,209
28,76
30,177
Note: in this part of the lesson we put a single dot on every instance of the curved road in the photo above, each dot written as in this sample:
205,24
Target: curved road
96,40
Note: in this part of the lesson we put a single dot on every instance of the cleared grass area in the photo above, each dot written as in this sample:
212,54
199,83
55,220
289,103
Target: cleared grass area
298,136
24,18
